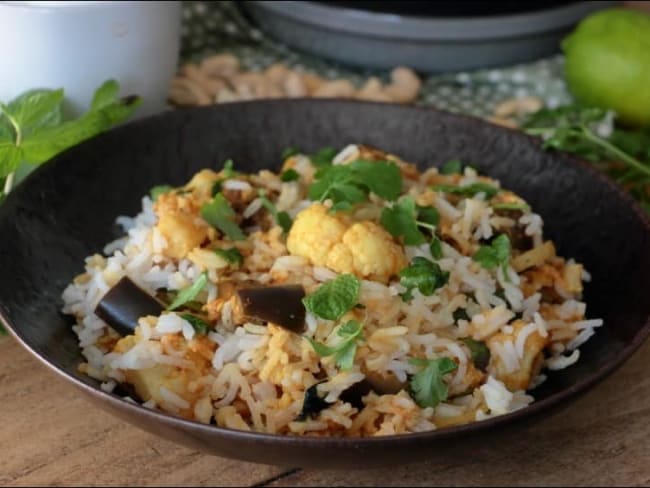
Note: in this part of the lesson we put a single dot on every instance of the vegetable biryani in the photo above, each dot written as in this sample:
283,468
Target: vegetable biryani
347,295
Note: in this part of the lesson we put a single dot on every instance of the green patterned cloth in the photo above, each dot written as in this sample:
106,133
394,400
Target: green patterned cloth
211,27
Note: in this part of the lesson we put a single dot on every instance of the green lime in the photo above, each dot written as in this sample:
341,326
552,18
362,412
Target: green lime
608,63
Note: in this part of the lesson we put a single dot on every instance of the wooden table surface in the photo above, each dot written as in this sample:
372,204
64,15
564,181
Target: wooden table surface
49,435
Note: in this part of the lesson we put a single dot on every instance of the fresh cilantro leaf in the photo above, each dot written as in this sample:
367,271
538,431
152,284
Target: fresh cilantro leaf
400,221
479,351
289,151
190,293
200,326
334,298
289,175
383,178
510,206
427,386
452,167
424,275
436,247
468,190
232,255
336,183
345,350
589,133
281,218
353,182
219,214
497,253
156,191
323,157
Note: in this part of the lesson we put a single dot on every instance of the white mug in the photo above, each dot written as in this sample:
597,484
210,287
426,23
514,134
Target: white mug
77,45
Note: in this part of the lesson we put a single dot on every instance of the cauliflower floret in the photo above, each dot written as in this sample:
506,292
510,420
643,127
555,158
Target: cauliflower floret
181,232
529,365
363,248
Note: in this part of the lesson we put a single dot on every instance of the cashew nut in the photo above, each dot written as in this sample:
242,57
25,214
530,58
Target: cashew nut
405,85
312,82
251,85
335,88
184,91
517,106
295,86
277,73
209,85
220,66
373,90
226,95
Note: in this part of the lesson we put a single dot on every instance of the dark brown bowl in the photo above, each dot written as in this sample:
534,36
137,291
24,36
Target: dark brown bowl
66,210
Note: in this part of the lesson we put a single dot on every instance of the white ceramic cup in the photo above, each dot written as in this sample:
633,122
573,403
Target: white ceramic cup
77,45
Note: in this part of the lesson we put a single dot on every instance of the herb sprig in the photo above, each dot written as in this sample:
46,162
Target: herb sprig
334,298
405,218
424,275
591,134
189,293
427,386
352,183
346,349
497,253
32,128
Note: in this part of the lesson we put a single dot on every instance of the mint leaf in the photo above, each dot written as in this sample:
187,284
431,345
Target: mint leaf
451,167
190,293
35,109
427,386
479,351
334,298
497,253
468,190
200,325
424,275
400,221
228,169
10,157
105,95
344,351
232,255
219,214
289,175
46,142
281,218
158,190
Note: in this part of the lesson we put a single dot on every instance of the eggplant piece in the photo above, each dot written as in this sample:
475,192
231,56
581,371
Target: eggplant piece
382,385
312,405
124,304
281,305
480,353
385,384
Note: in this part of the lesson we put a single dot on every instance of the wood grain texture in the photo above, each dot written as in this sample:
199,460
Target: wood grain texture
50,436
